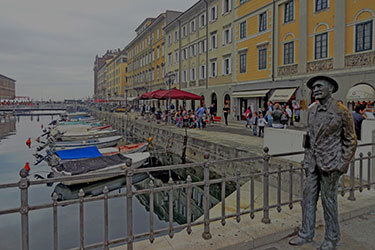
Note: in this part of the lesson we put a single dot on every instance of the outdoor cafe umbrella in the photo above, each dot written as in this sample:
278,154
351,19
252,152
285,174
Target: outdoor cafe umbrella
149,95
176,94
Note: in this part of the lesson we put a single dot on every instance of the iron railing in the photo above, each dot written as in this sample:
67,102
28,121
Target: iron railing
292,171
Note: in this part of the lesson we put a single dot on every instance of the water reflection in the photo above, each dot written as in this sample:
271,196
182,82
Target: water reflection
7,127
161,199
70,192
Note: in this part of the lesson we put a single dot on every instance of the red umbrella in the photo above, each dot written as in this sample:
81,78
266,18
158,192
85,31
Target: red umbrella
150,95
177,94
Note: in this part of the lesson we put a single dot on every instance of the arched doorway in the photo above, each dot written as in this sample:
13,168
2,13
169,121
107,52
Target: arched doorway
214,99
202,101
360,93
227,99
213,107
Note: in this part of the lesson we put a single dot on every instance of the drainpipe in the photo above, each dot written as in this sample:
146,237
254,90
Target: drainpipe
206,43
179,53
273,39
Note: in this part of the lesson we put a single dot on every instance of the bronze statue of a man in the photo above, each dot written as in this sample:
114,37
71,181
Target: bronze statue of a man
330,146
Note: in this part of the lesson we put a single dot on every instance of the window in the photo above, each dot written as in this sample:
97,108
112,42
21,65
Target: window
185,53
213,13
170,59
184,31
243,30
227,36
321,5
213,69
169,40
184,76
192,26
202,46
242,63
289,53
321,46
214,41
227,66
192,74
262,60
162,70
226,6
157,72
158,53
193,51
242,1
162,50
202,20
157,34
263,21
176,57
176,36
363,36
202,73
289,11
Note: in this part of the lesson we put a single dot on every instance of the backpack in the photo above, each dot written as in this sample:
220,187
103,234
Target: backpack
284,119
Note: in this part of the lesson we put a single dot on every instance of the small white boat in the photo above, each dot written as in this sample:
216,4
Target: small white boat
104,142
104,164
92,134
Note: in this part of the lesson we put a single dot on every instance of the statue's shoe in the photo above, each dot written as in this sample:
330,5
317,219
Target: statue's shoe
327,245
297,241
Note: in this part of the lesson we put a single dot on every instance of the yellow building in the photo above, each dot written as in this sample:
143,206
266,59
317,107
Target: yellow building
199,48
146,56
281,44
116,77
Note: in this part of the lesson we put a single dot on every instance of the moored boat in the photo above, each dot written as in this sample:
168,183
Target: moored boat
104,142
97,165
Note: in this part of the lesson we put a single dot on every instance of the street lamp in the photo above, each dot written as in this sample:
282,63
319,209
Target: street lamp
170,79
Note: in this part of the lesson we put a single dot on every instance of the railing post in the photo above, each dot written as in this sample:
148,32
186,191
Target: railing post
171,200
352,172
129,203
106,220
81,195
188,205
24,184
152,238
266,158
238,196
55,226
206,202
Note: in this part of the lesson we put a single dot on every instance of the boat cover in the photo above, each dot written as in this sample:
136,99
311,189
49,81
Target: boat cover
79,117
78,153
82,166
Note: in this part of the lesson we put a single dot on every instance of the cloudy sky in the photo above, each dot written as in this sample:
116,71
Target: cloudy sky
49,46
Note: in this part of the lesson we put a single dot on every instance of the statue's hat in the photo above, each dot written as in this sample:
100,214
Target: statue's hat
326,78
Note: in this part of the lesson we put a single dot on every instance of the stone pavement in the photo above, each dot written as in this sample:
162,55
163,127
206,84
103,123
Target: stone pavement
253,234
357,233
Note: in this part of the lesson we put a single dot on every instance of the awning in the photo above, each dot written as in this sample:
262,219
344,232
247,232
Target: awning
132,98
361,92
282,95
117,99
250,94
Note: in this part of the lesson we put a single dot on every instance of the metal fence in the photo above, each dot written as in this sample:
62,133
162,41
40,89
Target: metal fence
290,172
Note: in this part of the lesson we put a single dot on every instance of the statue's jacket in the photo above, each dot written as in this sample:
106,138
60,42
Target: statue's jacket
332,139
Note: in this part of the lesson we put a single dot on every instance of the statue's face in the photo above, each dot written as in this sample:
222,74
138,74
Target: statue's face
321,89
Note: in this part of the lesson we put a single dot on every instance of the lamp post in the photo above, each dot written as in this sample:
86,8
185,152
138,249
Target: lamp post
170,79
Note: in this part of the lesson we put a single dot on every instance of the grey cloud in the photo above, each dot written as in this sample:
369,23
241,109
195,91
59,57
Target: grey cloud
49,46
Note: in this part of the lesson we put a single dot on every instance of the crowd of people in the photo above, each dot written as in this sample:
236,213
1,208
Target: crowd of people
274,116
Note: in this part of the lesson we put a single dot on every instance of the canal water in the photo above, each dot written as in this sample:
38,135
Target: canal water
14,154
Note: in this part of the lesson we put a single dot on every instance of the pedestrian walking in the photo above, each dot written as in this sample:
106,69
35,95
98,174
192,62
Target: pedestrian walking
226,111
248,117
255,123
261,124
